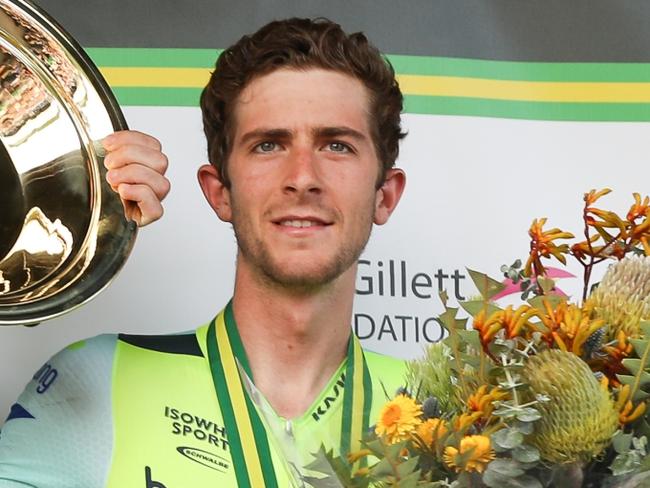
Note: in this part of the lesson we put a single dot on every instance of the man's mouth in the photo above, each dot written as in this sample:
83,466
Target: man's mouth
299,223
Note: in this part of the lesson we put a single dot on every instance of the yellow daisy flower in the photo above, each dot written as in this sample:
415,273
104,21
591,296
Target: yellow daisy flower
398,419
431,430
474,454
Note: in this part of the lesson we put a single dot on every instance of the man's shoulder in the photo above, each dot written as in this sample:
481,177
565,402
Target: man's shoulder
77,366
84,369
60,426
80,370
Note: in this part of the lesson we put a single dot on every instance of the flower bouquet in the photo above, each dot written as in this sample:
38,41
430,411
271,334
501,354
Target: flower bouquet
549,392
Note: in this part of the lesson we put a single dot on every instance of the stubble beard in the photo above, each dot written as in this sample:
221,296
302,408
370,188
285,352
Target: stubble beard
257,254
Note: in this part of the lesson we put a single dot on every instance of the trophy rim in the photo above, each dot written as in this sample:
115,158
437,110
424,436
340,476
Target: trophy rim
104,266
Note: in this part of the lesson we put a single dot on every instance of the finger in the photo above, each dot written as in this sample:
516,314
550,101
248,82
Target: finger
137,174
147,206
126,137
129,154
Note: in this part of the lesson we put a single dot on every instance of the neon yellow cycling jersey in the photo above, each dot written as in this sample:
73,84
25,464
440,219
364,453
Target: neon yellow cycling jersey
124,411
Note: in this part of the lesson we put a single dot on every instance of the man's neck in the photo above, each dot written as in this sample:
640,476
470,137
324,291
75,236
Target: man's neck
294,342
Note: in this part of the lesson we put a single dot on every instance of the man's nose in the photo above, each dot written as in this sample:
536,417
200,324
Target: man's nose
303,171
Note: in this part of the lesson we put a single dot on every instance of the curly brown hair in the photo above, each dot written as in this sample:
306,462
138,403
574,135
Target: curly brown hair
301,44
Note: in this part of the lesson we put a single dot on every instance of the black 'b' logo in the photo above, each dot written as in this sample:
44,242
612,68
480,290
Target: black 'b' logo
151,483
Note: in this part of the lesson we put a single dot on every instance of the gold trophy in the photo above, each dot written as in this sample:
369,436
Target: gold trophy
63,231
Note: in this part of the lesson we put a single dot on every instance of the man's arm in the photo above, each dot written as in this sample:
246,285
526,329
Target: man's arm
59,432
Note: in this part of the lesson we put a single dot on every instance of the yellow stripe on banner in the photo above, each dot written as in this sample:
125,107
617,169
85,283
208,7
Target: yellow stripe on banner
538,91
238,400
157,77
357,399
434,86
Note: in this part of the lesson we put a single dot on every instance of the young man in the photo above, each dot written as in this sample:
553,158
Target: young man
303,126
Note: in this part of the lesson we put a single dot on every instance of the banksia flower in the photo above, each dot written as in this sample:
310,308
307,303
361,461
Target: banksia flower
580,418
622,299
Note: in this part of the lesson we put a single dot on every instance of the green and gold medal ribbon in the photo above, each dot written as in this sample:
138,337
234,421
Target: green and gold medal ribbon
357,398
247,438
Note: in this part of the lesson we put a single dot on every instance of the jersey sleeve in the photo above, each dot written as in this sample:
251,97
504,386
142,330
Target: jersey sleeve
59,431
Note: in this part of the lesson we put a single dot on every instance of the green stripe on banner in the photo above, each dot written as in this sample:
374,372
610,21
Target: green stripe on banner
520,71
147,57
595,112
166,97
416,65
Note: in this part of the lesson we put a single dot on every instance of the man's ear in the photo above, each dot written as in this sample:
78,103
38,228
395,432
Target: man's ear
389,194
216,193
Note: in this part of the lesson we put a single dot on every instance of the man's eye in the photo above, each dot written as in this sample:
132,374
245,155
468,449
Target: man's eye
338,147
266,147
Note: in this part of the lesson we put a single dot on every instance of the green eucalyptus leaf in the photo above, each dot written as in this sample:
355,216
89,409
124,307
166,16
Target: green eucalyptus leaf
494,479
625,463
504,412
508,438
525,453
640,443
525,428
621,442
524,481
508,468
528,414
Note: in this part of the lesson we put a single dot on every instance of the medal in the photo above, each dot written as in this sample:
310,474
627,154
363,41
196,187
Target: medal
247,436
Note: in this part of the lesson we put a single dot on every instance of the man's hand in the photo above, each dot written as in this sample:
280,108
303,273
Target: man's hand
136,168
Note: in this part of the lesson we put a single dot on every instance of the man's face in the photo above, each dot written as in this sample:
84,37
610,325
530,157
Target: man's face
303,170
